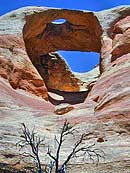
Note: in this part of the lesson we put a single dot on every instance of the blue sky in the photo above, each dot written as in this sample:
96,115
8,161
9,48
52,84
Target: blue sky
78,61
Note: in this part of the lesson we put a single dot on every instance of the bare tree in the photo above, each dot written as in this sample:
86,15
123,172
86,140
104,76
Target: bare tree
29,138
79,149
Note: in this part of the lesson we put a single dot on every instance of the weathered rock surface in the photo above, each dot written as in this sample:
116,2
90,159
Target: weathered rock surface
81,31
63,109
57,75
16,67
103,113
88,78
15,42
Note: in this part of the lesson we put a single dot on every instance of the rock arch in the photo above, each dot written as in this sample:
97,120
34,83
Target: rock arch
35,35
80,32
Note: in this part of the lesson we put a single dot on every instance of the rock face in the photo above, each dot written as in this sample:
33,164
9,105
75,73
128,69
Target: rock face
89,78
81,31
57,75
54,72
111,91
16,67
28,62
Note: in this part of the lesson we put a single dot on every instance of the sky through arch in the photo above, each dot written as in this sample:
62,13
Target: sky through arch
81,61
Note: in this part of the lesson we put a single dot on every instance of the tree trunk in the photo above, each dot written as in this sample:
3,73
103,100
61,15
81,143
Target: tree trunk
39,169
57,165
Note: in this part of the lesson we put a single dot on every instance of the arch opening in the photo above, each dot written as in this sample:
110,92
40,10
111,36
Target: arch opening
81,62
57,74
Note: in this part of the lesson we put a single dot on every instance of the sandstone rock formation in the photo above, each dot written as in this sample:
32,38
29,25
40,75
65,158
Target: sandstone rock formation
15,43
88,78
81,31
57,75
16,67
103,113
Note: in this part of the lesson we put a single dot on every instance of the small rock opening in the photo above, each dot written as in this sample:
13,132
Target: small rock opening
59,21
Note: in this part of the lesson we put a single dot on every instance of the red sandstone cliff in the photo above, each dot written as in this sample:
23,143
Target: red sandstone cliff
27,71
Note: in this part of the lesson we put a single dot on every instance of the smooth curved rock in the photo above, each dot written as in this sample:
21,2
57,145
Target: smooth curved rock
112,90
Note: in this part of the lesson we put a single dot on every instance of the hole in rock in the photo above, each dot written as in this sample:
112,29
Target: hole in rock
81,61
59,21
68,97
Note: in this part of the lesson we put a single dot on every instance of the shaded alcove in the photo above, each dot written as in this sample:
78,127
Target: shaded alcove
68,97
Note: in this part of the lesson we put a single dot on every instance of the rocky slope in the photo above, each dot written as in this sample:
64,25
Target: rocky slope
27,39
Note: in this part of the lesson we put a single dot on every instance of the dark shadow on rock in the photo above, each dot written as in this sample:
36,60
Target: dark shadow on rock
69,97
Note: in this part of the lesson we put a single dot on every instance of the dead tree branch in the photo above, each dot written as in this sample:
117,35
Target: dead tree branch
78,150
29,138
